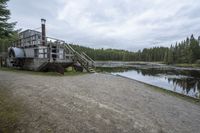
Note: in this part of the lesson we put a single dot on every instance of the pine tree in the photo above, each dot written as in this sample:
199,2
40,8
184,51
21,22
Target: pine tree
195,49
6,29
170,57
7,32
166,57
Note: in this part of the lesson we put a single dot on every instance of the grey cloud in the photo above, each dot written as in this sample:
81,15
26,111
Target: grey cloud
123,24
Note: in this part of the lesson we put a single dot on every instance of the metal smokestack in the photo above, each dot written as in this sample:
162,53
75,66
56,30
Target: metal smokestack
43,21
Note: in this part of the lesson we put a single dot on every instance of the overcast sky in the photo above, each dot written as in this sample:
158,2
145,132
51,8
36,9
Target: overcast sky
121,24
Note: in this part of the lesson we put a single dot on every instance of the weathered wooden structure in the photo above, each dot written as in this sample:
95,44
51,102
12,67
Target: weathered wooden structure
3,56
35,51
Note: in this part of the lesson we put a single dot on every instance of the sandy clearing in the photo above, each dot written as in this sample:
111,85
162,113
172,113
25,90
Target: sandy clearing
98,103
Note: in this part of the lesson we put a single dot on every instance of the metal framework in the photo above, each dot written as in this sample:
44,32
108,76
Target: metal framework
35,51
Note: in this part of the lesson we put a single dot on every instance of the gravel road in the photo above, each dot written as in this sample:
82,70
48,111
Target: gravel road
98,103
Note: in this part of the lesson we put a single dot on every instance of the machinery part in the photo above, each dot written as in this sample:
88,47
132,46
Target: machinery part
16,56
14,52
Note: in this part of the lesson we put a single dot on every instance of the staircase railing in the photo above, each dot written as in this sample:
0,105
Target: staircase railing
90,59
83,59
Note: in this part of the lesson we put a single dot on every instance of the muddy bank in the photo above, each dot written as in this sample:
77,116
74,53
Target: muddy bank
99,103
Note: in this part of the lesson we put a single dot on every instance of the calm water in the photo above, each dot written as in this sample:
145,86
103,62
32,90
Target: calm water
183,81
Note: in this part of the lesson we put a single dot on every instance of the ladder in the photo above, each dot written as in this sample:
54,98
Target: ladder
85,61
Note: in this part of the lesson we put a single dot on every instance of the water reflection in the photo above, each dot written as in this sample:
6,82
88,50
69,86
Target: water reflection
188,85
182,81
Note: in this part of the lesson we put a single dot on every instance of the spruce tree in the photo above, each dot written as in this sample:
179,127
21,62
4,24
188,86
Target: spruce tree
195,49
166,57
6,28
7,32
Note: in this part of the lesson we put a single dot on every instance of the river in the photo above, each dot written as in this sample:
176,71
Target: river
181,80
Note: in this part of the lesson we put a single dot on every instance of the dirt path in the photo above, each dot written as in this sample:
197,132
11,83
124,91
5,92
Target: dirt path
98,103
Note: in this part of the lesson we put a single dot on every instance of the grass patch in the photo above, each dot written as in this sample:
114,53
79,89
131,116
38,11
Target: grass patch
10,112
74,73
67,73
70,71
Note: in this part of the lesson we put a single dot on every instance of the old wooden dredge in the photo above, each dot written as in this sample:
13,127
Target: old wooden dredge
35,51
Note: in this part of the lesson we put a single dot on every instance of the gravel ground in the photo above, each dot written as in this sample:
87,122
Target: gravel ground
98,103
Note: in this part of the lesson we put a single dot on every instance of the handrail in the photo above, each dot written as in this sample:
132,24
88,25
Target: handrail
55,39
29,39
71,48
88,57
35,37
82,58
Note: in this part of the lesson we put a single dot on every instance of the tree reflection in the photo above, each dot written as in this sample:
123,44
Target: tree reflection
187,80
188,85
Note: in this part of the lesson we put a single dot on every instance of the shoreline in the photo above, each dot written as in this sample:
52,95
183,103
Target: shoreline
163,90
193,99
132,63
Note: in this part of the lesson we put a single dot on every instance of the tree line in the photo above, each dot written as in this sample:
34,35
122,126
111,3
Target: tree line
187,51
151,54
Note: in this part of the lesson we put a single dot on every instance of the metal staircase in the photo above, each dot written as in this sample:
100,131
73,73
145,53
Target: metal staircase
85,61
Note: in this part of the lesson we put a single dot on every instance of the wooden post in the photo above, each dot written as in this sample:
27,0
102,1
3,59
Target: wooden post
1,61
